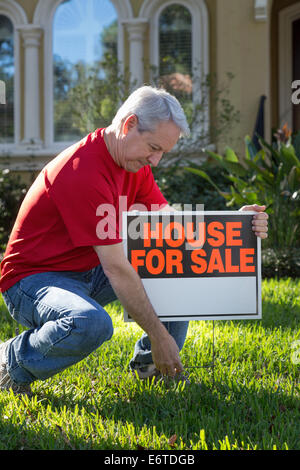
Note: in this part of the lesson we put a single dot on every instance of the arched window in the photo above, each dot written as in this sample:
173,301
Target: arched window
175,41
187,23
175,53
7,70
85,55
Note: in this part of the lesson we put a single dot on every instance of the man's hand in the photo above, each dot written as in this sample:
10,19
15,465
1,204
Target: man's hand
165,355
259,221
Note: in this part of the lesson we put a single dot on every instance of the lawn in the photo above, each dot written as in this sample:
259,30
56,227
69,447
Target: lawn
252,403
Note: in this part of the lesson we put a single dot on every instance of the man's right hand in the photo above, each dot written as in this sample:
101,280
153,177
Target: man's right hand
165,355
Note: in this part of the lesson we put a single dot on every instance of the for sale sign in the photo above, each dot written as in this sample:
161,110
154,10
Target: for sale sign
196,265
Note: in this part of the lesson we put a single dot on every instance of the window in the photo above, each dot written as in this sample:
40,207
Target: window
175,52
7,70
85,53
179,53
175,36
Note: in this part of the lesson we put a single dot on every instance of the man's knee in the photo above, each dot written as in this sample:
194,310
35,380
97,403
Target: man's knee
95,327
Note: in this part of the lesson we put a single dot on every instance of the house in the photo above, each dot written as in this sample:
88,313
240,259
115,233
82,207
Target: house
45,46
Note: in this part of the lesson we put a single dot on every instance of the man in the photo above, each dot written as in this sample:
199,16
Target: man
65,261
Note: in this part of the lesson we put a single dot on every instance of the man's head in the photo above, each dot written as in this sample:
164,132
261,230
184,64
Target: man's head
152,106
148,124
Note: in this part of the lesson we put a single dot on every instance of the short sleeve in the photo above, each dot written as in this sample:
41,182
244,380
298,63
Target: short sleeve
85,202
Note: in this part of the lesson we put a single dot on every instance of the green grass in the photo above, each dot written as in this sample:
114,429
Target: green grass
97,404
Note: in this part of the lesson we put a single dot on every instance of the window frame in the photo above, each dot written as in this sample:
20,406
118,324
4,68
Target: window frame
43,16
17,16
152,9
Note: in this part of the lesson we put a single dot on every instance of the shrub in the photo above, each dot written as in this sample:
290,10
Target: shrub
12,192
179,187
281,262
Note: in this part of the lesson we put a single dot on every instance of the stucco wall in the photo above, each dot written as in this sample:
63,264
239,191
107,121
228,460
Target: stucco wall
237,44
242,48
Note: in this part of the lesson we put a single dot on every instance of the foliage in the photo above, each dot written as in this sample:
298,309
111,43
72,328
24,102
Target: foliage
97,404
284,262
179,187
101,96
211,115
87,95
12,192
269,176
92,96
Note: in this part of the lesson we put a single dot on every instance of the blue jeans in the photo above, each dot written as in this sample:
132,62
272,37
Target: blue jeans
65,314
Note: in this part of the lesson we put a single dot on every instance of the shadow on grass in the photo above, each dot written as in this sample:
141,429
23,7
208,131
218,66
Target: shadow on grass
246,416
239,411
282,316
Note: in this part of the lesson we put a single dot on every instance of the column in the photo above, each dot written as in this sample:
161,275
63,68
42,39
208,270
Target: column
31,36
136,29
2,92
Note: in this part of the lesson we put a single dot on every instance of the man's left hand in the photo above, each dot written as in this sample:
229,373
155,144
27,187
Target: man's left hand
259,221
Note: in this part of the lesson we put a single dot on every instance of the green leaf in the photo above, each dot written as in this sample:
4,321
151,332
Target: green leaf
294,179
214,155
250,197
234,168
280,175
272,149
237,181
251,150
289,157
230,155
231,166
205,176
266,175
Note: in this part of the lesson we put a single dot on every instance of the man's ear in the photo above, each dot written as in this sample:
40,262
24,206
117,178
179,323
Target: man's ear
129,123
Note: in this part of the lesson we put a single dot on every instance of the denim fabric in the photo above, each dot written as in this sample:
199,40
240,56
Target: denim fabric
65,314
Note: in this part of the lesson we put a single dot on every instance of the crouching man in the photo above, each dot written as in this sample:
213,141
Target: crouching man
62,265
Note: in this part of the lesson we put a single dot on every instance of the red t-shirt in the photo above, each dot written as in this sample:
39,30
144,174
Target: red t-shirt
62,216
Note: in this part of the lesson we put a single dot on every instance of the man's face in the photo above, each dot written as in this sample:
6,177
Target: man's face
138,149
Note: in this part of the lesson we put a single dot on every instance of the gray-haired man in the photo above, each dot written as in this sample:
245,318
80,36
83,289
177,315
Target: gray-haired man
65,261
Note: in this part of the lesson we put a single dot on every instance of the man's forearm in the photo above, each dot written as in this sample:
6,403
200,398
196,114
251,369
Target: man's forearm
131,293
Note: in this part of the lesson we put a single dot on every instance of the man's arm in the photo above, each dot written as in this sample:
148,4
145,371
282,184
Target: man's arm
130,291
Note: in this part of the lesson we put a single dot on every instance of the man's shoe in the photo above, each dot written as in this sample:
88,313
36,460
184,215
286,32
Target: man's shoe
6,382
147,372
150,371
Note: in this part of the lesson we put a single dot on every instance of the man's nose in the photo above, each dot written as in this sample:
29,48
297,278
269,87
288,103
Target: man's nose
155,158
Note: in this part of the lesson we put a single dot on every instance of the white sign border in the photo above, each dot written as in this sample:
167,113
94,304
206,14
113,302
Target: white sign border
246,316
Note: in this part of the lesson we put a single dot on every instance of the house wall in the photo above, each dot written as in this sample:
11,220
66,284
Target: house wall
240,42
